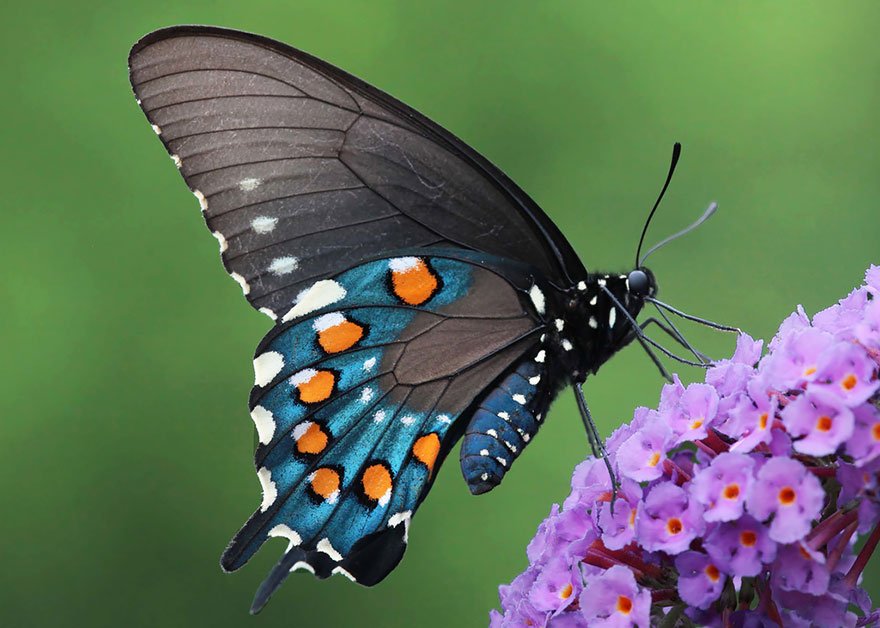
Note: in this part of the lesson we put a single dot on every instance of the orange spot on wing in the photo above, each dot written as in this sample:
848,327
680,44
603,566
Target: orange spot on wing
414,285
313,440
318,388
325,482
376,481
340,337
426,449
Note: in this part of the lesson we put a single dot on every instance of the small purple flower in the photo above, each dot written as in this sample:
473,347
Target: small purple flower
846,371
867,331
699,580
641,456
796,358
786,490
751,420
614,600
865,444
799,568
554,587
694,413
619,528
723,486
821,418
668,521
741,548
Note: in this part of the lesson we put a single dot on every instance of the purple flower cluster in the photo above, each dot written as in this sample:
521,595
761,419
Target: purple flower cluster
752,499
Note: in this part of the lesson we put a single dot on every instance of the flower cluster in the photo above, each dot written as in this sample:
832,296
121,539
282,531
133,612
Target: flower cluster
749,500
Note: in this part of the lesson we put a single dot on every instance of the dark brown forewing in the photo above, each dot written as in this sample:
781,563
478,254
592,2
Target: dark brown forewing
303,170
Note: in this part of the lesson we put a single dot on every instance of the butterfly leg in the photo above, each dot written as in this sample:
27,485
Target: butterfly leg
673,332
596,443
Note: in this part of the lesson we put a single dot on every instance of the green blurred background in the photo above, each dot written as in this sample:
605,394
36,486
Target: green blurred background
126,444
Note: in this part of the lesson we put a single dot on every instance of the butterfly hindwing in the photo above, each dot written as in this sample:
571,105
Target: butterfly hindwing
302,170
359,395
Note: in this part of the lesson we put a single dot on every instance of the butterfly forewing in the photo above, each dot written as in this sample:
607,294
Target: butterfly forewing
302,170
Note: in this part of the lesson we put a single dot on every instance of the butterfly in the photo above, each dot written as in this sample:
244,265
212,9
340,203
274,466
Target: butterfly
419,296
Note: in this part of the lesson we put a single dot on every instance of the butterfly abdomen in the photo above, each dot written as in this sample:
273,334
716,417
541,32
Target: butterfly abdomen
504,423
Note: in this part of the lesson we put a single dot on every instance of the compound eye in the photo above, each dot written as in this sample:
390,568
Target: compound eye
638,283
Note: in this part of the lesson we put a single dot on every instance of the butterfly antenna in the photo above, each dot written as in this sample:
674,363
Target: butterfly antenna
676,153
706,215
691,317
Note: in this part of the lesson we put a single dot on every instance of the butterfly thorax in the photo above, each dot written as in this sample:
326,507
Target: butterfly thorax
593,327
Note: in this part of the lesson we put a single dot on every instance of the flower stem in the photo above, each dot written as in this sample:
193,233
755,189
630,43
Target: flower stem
862,559
827,529
842,543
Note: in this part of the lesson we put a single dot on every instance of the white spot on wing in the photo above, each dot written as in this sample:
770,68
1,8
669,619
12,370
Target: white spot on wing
288,533
541,356
504,416
520,399
537,298
343,572
592,322
269,490
222,240
407,420
404,518
156,129
501,461
320,294
246,185
535,380
379,416
283,265
612,316
177,161
367,395
328,320
267,366
304,566
484,452
241,281
566,344
594,299
582,285
302,377
264,422
601,283
492,433
403,264
203,202
264,224
560,324
511,447
484,477
269,313
326,547
444,418
369,363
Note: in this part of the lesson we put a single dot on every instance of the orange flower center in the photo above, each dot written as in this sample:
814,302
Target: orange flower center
787,496
655,458
849,382
632,517
674,525
712,573
731,491
624,604
762,421
809,370
566,591
748,538
696,424
823,423
875,431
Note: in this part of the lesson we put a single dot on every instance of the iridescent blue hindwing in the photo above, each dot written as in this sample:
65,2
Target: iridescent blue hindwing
358,394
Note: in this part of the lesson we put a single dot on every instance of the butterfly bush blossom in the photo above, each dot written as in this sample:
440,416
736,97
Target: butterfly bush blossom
748,500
